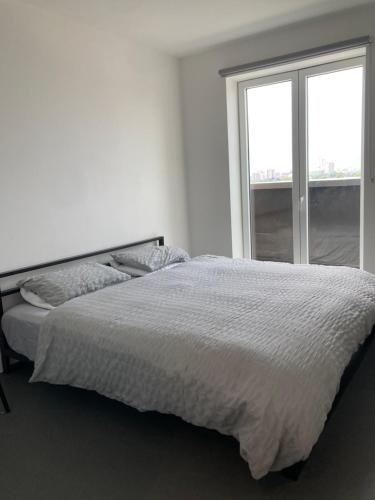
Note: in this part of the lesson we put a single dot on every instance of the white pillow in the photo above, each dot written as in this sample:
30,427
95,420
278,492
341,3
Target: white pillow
133,271
151,258
138,273
34,299
58,286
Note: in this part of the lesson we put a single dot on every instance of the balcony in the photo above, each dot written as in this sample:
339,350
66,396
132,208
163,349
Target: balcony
334,220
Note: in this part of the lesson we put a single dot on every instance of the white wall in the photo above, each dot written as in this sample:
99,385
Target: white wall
205,122
90,140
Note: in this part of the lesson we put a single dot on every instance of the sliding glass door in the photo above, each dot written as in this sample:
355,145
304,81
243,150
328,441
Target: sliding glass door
301,155
268,109
333,96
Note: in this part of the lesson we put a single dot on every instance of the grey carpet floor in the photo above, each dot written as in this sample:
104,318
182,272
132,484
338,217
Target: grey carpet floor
61,443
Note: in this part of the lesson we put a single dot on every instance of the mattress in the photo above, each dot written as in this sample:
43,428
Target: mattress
21,325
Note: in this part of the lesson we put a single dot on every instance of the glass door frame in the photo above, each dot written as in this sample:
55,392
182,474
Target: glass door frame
298,80
303,75
247,199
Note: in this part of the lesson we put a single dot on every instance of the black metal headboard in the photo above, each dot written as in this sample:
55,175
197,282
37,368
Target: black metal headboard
21,270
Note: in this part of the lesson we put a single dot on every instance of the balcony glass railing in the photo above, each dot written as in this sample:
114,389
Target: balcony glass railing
334,221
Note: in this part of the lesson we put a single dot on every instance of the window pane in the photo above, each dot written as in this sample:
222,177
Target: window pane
271,163
334,145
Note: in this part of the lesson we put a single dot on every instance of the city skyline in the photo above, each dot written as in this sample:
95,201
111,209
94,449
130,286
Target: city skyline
325,170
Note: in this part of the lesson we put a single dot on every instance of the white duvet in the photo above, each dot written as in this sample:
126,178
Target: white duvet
254,350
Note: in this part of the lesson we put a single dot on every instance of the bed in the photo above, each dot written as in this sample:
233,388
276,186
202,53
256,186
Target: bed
254,350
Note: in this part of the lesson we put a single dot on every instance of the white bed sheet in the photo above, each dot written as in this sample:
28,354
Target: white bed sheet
21,325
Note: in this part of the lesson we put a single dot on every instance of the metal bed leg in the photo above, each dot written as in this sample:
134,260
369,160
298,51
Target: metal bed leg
4,400
6,363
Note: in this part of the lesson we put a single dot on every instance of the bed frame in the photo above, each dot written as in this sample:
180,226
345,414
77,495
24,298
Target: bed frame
293,472
6,352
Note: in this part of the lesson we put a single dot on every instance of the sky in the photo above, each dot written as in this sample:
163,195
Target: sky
334,116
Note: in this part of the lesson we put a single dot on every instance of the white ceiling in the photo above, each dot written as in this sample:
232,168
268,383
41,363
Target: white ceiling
184,26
